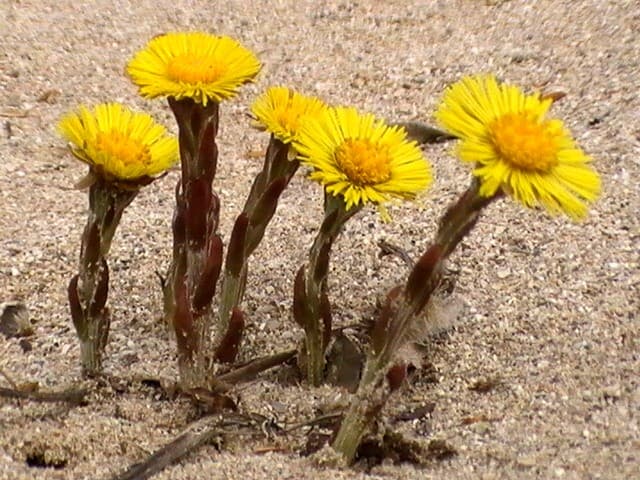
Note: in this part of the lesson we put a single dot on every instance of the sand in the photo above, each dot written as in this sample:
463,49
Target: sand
549,307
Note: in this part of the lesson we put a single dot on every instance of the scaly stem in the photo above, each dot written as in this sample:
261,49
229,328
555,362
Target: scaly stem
249,229
88,290
311,304
197,249
399,313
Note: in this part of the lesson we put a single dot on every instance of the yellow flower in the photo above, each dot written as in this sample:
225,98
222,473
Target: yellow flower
361,158
117,143
506,134
282,111
193,65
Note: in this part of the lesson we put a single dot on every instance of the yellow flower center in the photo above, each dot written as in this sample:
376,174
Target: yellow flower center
525,143
195,69
288,119
364,162
117,145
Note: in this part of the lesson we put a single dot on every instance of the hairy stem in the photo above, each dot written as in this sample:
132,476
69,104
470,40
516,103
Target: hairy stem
197,249
314,315
88,290
398,315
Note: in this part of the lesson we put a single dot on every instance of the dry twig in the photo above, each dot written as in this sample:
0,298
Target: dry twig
73,396
197,434
254,367
387,248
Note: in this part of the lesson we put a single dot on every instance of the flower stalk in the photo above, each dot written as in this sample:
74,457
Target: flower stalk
311,307
398,315
88,290
373,393
515,151
359,160
196,71
197,248
248,231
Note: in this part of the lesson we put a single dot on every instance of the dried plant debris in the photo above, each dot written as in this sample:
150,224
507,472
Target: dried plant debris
41,456
423,133
398,448
387,248
323,430
345,361
14,320
485,385
471,419
316,440
415,412
211,402
442,313
49,96
440,450
30,391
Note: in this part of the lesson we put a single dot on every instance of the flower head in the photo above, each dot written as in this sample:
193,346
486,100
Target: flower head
282,112
361,158
118,144
506,134
193,65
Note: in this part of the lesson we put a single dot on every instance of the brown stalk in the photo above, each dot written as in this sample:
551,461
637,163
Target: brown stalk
397,316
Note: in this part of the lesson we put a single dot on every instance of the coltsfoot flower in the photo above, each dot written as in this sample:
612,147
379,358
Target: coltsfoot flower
118,144
515,148
360,158
282,112
124,151
193,65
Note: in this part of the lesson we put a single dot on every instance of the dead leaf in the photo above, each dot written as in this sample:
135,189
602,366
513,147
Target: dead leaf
254,154
49,96
416,413
474,419
14,320
399,448
423,133
440,450
345,361
212,402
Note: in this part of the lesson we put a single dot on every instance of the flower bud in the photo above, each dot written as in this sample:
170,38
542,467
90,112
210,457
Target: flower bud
228,348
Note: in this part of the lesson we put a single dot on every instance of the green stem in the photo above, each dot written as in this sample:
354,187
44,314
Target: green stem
91,350
456,223
316,330
88,290
352,429
366,404
258,211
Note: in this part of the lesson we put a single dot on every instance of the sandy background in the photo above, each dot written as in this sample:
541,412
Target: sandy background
550,307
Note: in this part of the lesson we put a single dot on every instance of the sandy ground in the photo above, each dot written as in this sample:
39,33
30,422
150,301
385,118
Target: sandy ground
550,307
